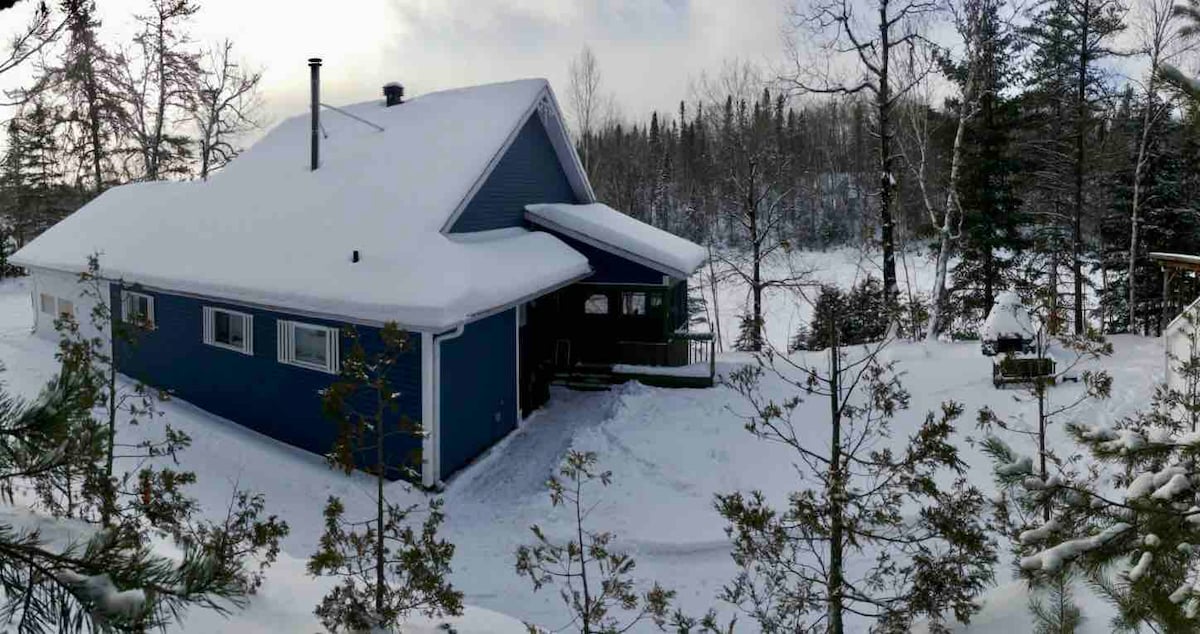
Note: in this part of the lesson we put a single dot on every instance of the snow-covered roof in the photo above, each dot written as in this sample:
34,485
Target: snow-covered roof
1008,319
268,231
604,227
1188,261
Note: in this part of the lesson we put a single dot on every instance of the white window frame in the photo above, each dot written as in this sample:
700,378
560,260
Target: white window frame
127,299
247,346
286,351
42,297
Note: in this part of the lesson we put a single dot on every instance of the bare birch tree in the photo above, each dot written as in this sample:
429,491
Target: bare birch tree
586,101
226,103
1160,41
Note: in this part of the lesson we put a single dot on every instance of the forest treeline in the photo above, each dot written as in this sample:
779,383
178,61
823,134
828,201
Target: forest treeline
100,111
1045,170
1012,150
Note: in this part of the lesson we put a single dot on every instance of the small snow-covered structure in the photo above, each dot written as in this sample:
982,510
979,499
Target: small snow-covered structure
1178,326
464,216
1008,327
1181,341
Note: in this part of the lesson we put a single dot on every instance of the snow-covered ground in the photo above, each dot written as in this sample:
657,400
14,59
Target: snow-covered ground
670,452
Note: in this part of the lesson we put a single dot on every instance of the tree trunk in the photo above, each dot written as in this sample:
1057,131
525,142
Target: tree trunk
583,558
1139,166
946,232
887,178
716,309
1080,167
380,470
756,286
836,501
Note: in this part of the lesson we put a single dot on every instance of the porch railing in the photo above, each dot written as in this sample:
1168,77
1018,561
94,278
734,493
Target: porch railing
701,347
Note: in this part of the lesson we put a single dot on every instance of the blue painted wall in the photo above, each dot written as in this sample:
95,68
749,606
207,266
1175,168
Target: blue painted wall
257,391
478,389
528,173
608,268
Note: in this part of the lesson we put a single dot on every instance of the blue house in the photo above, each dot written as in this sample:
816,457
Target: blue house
464,216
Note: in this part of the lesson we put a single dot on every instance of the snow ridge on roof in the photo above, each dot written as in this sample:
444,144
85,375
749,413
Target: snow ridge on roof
599,222
268,231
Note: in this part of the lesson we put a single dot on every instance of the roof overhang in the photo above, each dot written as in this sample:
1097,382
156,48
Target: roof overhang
606,247
1176,260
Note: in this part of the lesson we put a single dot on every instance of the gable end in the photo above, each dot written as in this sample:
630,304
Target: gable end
528,171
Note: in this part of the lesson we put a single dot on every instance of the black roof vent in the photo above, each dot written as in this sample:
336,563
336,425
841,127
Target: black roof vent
393,93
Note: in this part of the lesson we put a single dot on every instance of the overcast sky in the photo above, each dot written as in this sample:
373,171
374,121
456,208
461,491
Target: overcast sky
649,50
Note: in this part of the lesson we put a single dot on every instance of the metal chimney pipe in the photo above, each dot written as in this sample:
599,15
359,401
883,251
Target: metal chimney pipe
314,67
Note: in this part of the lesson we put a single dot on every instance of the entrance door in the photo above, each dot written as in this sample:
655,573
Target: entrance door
536,367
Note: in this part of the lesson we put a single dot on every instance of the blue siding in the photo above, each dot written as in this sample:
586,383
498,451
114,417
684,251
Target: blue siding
528,173
609,268
257,391
478,389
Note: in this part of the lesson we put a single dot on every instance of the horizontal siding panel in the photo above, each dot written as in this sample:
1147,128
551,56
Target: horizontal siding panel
528,173
279,400
478,389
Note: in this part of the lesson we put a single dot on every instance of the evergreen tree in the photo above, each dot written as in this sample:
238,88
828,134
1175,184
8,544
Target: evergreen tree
112,495
850,513
597,581
991,239
387,569
84,579
1134,544
84,79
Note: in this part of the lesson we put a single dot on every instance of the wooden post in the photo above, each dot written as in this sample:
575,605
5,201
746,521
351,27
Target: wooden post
1168,273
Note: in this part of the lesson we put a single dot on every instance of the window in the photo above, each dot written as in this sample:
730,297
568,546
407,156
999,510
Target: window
137,308
309,346
65,308
656,300
596,305
46,303
229,329
633,303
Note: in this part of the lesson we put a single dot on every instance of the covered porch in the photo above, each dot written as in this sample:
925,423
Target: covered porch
628,320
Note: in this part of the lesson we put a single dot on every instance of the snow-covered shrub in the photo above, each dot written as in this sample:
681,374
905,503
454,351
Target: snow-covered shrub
860,316
750,334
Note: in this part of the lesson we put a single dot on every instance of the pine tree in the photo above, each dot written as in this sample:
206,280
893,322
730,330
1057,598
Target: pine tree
1134,544
387,569
991,240
597,581
84,79
114,495
84,579
929,563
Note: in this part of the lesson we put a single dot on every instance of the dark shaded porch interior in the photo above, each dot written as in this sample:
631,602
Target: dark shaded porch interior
592,327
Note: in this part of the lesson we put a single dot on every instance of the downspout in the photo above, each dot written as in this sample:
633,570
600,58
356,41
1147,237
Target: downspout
431,403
